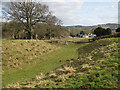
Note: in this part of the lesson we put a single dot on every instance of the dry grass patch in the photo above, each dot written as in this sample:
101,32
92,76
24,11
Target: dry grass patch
67,69
17,85
86,66
52,74
44,83
39,77
63,76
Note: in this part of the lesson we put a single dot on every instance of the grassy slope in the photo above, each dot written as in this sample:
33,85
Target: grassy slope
19,52
43,63
97,67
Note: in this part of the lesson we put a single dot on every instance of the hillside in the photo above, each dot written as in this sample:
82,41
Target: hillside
95,67
108,25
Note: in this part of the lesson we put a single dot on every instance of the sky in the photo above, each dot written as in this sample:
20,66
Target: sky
84,12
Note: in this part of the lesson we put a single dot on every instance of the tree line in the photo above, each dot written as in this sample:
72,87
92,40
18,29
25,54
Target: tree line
13,30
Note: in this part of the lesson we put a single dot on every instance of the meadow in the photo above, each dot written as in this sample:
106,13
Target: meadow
55,64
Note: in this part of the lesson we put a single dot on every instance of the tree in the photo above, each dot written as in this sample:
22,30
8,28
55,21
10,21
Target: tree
11,30
108,31
82,32
118,30
101,31
98,31
29,14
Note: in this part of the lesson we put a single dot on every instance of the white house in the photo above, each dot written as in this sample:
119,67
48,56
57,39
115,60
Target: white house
85,36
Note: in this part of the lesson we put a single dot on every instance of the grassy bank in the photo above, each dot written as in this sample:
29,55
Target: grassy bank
42,63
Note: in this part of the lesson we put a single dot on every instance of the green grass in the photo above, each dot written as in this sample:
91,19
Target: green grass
43,63
96,65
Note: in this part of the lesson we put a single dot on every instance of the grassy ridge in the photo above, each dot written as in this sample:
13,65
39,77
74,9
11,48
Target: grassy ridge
19,52
42,63
96,66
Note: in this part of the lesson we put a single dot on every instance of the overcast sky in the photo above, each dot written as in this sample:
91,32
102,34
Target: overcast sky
84,12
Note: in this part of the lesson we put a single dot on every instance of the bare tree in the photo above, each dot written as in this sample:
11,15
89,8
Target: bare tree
29,13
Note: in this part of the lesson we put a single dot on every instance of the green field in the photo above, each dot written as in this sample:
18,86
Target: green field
67,66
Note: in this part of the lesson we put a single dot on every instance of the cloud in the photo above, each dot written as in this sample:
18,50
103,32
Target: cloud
101,0
113,6
61,0
97,9
106,7
109,18
79,0
51,0
65,10
69,11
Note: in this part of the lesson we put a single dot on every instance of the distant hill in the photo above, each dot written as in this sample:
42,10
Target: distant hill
108,25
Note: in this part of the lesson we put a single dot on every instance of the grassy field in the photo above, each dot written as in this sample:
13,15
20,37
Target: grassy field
17,67
86,65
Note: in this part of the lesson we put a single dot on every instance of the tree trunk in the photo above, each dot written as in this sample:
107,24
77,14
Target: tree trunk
31,37
50,34
36,36
13,36
28,35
